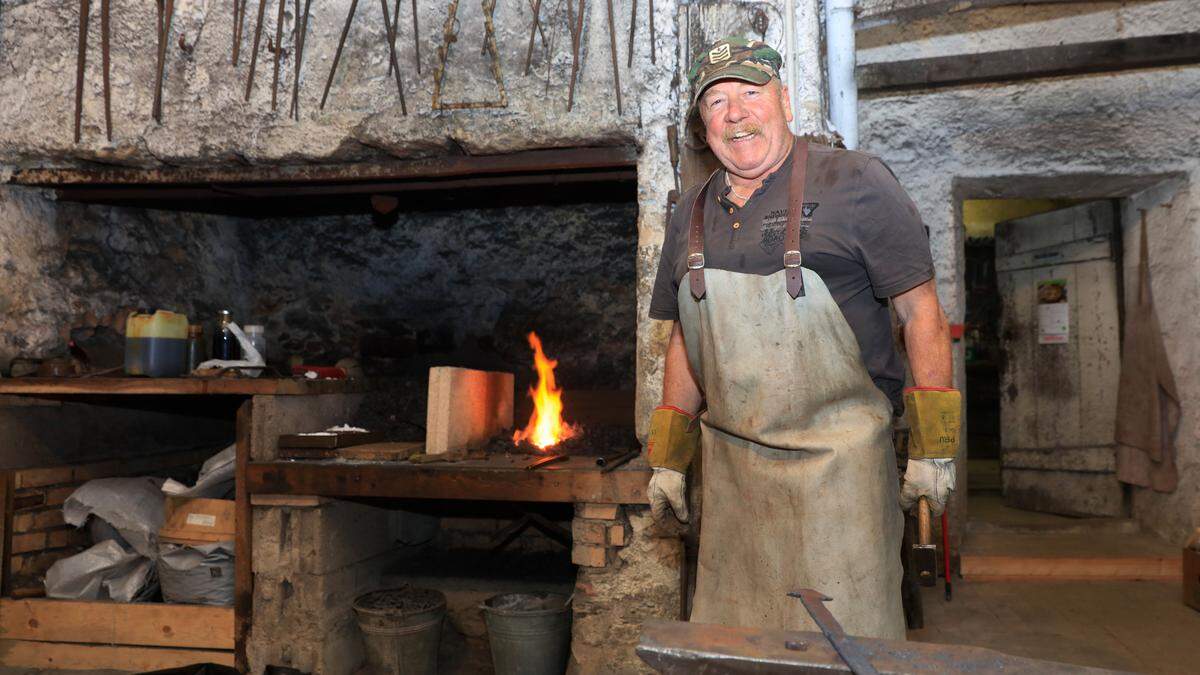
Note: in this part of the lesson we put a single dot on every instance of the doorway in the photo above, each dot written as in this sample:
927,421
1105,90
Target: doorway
1042,354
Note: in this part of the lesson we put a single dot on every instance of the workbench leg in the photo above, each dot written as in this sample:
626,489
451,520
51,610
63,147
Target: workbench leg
243,599
6,500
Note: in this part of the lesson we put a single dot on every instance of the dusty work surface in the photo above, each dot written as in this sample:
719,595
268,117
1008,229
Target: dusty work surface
1122,625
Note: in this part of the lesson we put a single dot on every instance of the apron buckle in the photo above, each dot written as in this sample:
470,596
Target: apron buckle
791,259
695,261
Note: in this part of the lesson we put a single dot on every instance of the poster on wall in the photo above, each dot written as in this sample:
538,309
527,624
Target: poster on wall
1054,312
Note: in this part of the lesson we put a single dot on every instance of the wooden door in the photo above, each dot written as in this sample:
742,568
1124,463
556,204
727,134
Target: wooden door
1057,277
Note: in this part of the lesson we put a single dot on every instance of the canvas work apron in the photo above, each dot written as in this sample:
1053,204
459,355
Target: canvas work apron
800,485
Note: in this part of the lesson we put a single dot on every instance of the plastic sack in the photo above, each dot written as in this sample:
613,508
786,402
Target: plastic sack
196,574
215,480
104,571
134,506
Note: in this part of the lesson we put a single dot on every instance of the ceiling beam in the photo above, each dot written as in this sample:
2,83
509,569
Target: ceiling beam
1035,62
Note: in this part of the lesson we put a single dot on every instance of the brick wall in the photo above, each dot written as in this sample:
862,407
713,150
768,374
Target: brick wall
40,537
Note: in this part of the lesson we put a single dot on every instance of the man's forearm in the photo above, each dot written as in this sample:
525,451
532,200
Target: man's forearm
926,336
679,385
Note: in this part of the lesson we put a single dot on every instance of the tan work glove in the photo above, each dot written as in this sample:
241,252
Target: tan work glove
674,439
935,420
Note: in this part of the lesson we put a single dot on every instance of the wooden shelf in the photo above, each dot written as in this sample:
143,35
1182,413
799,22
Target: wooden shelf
577,480
57,386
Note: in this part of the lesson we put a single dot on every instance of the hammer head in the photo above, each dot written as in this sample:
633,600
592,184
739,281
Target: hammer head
925,559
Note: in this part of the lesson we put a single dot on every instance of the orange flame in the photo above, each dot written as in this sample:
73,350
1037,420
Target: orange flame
546,426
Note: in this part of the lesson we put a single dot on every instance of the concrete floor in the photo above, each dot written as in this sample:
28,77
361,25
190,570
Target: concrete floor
1122,625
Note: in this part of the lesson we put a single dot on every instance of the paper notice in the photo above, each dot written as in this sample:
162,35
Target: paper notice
1054,312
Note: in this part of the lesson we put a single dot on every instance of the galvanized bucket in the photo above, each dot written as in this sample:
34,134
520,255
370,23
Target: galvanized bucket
401,629
530,633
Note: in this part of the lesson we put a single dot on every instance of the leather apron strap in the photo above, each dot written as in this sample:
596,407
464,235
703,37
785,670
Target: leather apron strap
791,237
791,253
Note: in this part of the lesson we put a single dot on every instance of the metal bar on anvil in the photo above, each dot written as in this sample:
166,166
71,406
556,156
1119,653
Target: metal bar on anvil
680,647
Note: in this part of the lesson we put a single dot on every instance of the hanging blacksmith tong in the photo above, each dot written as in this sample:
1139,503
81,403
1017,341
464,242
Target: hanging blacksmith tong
85,7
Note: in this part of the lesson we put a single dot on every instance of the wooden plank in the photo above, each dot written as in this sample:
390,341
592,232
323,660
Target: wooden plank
382,452
1012,568
1099,352
1035,62
557,159
328,440
295,501
466,408
64,656
578,480
48,386
148,624
6,486
243,574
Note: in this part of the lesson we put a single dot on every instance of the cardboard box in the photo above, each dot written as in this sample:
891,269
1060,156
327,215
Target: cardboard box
1191,572
191,520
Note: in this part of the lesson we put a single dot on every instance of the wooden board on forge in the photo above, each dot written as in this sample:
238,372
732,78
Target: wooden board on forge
329,439
371,452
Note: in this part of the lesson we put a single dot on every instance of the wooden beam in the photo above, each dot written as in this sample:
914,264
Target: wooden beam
243,574
1036,62
50,386
63,656
572,482
150,624
877,11
558,159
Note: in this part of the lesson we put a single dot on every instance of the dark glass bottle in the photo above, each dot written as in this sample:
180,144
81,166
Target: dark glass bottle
195,347
224,343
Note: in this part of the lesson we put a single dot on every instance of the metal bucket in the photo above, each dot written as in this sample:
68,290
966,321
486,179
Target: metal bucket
530,633
401,629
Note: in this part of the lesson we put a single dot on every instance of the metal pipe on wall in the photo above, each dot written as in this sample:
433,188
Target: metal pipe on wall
839,50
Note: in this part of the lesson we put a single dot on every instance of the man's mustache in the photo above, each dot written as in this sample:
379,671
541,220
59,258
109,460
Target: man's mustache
746,127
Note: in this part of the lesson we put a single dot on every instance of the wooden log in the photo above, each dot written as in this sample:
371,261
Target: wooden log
466,408
116,623
466,480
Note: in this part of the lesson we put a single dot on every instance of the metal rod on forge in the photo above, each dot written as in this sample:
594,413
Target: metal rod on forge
104,53
80,60
303,32
262,6
337,55
612,49
577,37
389,27
164,33
278,51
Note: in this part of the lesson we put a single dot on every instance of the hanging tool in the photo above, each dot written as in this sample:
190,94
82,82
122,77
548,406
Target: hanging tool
416,35
612,49
576,38
925,551
673,194
262,6
390,31
632,28
164,31
946,551
234,30
395,32
538,463
850,651
104,52
651,17
302,33
337,55
533,31
80,59
278,50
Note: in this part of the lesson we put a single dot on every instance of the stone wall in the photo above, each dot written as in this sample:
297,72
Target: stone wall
1124,125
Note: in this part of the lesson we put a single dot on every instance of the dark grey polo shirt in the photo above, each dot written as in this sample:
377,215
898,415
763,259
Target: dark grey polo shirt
866,241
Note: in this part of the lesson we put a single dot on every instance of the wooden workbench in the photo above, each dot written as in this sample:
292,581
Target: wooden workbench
264,406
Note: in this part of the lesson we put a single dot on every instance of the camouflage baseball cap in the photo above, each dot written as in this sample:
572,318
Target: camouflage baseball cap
733,58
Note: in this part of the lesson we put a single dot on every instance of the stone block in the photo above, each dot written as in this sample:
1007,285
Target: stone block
587,555
589,532
317,540
37,520
598,511
466,408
